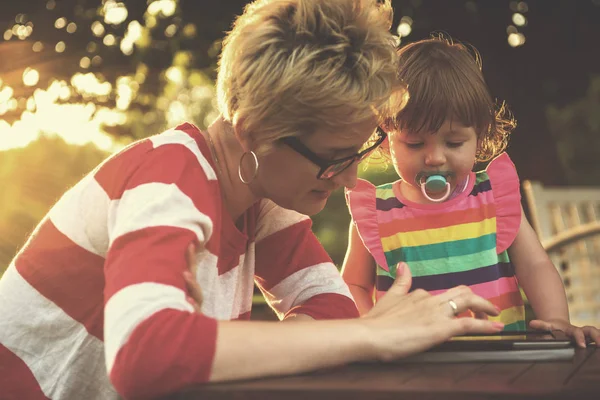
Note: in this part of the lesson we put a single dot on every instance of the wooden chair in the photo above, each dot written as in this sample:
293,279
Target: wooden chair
567,221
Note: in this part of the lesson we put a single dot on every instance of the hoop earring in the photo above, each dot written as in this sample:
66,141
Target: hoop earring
255,167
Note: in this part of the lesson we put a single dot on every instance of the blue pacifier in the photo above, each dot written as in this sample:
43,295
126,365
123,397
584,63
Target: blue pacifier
435,183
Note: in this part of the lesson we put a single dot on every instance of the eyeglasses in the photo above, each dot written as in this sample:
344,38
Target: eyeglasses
331,168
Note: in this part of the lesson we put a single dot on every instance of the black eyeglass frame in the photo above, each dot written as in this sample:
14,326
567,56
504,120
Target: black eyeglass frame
295,144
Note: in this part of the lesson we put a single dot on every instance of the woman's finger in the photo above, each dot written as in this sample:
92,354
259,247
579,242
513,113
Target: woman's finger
191,259
193,303
194,291
461,326
455,302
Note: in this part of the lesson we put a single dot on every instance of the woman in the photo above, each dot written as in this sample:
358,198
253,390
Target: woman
100,286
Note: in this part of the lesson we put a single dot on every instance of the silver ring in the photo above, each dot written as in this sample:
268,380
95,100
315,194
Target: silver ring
453,306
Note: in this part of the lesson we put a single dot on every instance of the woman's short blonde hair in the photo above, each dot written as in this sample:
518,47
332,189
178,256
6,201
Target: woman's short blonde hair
289,67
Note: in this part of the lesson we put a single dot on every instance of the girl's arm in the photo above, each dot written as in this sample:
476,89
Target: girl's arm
358,271
543,286
537,275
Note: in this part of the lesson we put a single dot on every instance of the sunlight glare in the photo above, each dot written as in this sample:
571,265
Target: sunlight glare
164,7
77,124
134,31
177,113
30,77
168,7
6,94
125,92
114,13
31,106
89,85
175,75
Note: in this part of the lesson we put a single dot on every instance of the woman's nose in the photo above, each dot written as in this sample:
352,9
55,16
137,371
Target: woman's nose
348,177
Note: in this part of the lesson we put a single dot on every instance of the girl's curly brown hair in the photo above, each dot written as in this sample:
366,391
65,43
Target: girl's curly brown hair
445,80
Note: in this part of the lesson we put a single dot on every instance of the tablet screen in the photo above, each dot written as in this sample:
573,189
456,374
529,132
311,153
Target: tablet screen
506,341
512,336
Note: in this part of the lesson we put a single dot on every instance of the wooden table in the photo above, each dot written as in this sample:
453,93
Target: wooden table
576,379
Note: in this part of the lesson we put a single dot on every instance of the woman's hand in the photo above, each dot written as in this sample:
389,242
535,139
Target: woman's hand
404,323
580,334
194,296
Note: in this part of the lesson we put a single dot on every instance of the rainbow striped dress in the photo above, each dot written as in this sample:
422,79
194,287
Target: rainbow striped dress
462,241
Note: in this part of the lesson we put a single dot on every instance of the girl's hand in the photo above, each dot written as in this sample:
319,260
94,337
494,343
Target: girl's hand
404,323
194,292
580,334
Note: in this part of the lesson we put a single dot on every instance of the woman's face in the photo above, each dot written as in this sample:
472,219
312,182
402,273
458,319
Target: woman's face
290,179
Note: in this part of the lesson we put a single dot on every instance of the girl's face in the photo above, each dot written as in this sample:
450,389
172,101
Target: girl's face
450,152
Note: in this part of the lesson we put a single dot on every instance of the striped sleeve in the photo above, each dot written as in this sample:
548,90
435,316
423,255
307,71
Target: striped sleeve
293,270
161,200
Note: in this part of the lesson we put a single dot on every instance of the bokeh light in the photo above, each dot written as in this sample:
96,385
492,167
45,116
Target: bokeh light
72,27
109,40
516,39
114,13
405,26
60,23
37,47
60,47
519,19
97,28
30,77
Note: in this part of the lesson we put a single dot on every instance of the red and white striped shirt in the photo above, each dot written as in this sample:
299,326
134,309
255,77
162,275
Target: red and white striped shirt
99,287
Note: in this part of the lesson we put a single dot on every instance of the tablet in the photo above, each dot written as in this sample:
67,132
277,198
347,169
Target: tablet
510,346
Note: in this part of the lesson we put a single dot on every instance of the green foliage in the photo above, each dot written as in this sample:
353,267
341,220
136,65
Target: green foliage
331,225
33,179
576,130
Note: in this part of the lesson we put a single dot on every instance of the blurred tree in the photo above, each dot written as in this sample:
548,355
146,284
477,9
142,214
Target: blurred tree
149,63
576,130
133,68
33,179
